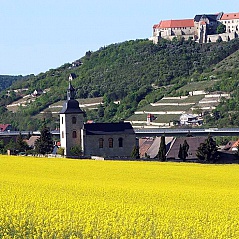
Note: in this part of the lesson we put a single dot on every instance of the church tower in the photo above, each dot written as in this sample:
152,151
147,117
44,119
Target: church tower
71,122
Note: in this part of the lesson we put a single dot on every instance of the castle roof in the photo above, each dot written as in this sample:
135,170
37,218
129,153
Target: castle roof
176,23
230,16
210,17
108,128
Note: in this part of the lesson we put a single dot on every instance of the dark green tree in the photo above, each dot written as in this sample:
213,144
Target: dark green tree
162,149
207,151
135,153
76,151
44,145
183,150
221,29
21,145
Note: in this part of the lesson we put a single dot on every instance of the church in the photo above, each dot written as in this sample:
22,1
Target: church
107,140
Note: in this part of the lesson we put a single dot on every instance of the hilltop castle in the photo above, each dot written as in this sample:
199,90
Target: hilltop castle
203,28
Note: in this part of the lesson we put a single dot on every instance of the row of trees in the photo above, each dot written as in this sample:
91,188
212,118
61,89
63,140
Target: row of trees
43,145
206,152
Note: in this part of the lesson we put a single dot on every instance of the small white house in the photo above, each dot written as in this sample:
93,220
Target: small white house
190,119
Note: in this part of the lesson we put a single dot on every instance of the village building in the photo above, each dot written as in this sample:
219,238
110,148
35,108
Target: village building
107,140
5,127
203,28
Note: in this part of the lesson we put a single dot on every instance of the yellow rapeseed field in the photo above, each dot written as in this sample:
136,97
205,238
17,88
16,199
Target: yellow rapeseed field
60,198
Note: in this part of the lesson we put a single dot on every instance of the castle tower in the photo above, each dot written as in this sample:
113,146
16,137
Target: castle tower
71,122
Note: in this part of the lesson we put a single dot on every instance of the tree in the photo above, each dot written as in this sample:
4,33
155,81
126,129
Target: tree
183,150
76,151
207,151
44,144
221,29
135,153
162,149
21,145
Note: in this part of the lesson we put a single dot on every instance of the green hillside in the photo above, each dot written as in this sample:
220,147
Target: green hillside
135,73
7,80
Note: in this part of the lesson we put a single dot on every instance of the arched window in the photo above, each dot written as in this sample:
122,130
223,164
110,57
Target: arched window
110,142
73,120
74,135
101,143
120,142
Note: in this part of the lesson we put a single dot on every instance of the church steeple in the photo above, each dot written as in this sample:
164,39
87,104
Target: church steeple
71,105
71,92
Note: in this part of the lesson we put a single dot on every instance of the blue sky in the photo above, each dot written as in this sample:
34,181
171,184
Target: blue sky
39,35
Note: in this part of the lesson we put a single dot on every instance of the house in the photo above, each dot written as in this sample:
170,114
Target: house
149,147
108,140
190,119
193,142
76,63
5,127
37,92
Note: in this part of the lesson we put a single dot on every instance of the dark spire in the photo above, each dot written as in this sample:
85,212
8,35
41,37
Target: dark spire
71,93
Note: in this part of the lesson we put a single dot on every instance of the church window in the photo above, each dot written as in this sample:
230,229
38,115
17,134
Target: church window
73,120
110,143
101,143
120,142
74,135
62,134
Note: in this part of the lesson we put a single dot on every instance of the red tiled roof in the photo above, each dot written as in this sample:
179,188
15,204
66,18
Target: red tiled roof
3,127
156,26
176,23
230,16
235,144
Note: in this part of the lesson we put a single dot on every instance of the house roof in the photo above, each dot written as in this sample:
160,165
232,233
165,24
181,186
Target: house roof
193,142
235,145
31,141
176,23
154,148
108,128
230,16
3,127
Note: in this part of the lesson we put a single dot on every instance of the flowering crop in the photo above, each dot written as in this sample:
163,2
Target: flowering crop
60,198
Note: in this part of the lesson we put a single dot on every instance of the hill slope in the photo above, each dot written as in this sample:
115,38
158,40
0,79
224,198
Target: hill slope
134,72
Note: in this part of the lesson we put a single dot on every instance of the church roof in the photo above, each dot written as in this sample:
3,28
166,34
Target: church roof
71,107
108,128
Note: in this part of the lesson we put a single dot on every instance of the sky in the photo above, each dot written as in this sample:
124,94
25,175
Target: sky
38,35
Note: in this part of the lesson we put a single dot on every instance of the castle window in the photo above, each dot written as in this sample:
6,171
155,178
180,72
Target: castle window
110,143
74,135
101,143
62,135
120,142
73,120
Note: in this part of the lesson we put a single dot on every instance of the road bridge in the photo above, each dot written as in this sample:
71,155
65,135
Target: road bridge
152,132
